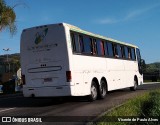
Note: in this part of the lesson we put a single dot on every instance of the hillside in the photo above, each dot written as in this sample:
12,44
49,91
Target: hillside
11,57
153,67
9,63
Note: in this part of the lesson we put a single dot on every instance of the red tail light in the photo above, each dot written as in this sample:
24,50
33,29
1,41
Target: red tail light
23,80
68,76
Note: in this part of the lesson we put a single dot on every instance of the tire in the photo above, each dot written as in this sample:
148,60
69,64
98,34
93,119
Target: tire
134,88
94,92
103,90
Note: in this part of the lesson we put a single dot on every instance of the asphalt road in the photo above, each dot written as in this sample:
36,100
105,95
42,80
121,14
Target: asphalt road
69,110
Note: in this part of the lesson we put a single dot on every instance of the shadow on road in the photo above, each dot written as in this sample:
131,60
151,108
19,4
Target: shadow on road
20,101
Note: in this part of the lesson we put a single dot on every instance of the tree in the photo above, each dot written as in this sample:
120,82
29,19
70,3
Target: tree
7,18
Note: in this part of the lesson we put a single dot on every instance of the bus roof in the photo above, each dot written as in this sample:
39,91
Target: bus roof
77,29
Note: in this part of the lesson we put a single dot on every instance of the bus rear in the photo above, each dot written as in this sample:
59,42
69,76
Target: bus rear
44,61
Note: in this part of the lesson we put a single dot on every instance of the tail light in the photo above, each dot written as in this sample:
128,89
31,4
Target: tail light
68,76
23,80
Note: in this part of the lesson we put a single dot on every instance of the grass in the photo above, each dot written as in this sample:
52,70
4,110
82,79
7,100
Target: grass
143,107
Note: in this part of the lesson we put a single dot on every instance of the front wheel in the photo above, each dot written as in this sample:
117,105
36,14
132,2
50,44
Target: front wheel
94,92
134,88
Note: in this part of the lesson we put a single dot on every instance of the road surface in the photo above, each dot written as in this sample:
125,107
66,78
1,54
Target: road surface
70,110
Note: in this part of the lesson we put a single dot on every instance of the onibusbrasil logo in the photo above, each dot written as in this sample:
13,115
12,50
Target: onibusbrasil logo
40,36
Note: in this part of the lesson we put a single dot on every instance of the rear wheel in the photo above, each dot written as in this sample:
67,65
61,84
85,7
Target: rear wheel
103,89
94,91
134,88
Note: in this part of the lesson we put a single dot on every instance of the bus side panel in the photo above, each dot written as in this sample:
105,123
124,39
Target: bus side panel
131,70
84,69
115,75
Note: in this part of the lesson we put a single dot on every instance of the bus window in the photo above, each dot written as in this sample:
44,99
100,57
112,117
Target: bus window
87,45
126,52
100,47
122,51
115,53
73,42
80,41
110,49
139,60
93,46
129,53
138,56
119,51
133,54
106,48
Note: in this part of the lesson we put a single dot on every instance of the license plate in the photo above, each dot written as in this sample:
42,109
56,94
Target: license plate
48,80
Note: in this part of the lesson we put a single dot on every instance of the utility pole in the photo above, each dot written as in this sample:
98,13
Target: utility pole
7,49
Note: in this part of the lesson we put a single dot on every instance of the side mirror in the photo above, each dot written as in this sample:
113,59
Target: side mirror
142,62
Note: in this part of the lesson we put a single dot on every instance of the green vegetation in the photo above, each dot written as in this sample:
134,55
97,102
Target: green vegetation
8,67
13,61
144,106
151,72
7,17
152,67
151,80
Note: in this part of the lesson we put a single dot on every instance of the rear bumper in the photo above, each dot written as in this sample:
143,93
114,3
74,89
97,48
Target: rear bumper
46,91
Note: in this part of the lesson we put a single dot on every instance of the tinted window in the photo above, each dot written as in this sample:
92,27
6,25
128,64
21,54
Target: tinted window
126,52
138,55
139,60
106,48
87,45
119,51
115,53
110,49
80,41
93,46
122,51
73,42
133,53
129,53
100,48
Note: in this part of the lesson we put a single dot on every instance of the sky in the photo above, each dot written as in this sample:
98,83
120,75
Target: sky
132,21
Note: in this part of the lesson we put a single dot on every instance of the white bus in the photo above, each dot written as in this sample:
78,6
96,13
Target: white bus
64,60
